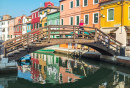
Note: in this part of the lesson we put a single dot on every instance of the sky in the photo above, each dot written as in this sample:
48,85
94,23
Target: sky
19,7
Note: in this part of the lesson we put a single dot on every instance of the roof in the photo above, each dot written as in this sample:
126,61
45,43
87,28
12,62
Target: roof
61,0
29,17
6,15
18,24
51,7
29,22
103,1
53,12
5,19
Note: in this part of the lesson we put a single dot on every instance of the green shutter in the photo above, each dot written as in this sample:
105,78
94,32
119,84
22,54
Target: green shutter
31,26
129,12
86,19
62,22
40,25
77,3
61,7
77,18
96,18
45,24
85,2
71,4
110,14
71,20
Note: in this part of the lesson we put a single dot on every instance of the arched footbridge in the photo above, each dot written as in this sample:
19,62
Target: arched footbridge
61,34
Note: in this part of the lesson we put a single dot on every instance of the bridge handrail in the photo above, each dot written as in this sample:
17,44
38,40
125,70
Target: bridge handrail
24,35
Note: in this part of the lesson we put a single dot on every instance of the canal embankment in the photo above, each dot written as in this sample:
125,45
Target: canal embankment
118,60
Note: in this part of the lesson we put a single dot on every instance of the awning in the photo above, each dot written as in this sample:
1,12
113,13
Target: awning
127,28
78,33
109,29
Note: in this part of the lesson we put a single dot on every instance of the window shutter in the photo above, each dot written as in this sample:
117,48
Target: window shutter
129,12
71,4
96,18
40,25
110,14
71,20
37,25
77,2
85,2
77,20
86,19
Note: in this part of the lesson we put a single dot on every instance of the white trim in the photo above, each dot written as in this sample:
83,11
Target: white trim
70,20
86,5
76,19
128,13
61,8
95,3
107,14
70,5
76,3
61,21
84,19
98,17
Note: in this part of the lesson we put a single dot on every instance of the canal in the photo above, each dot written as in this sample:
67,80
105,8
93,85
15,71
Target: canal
49,70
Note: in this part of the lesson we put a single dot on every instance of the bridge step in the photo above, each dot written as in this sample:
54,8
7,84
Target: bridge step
37,43
16,52
22,49
10,55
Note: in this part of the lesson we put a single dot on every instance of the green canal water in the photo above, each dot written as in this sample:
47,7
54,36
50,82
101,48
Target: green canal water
60,71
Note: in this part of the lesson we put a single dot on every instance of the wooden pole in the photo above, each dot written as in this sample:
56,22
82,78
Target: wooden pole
73,33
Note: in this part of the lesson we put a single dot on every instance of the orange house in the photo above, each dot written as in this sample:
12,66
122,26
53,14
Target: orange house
70,11
90,13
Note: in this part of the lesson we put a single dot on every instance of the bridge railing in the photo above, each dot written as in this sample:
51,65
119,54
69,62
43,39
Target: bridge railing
45,34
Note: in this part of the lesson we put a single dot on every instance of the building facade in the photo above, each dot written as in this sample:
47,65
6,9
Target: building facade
11,28
90,13
115,19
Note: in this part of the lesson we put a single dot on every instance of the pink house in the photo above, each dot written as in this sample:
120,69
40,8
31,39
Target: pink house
11,28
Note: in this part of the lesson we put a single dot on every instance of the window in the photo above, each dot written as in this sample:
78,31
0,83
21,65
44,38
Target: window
35,25
95,1
129,13
110,14
45,24
77,20
35,15
50,22
62,7
32,16
85,3
71,4
71,20
38,14
62,22
40,25
57,22
77,3
49,5
95,18
31,26
86,19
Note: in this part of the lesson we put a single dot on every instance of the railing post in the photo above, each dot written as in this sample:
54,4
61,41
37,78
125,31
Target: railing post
108,42
95,35
48,34
63,32
73,33
4,50
83,34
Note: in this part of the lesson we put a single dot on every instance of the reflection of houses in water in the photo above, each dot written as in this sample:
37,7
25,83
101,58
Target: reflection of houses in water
35,66
4,80
52,69
116,80
71,69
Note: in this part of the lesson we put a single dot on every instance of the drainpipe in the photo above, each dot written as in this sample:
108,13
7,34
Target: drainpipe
121,14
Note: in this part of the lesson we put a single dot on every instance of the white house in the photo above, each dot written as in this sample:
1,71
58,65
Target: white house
0,30
5,27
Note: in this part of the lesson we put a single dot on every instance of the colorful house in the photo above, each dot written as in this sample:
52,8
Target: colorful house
90,13
5,27
18,27
0,30
70,14
28,26
11,28
115,19
44,13
54,19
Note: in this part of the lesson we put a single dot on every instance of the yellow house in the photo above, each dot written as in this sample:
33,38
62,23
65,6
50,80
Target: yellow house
44,12
115,19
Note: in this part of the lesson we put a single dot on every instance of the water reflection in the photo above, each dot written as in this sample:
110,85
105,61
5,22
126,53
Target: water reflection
51,70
